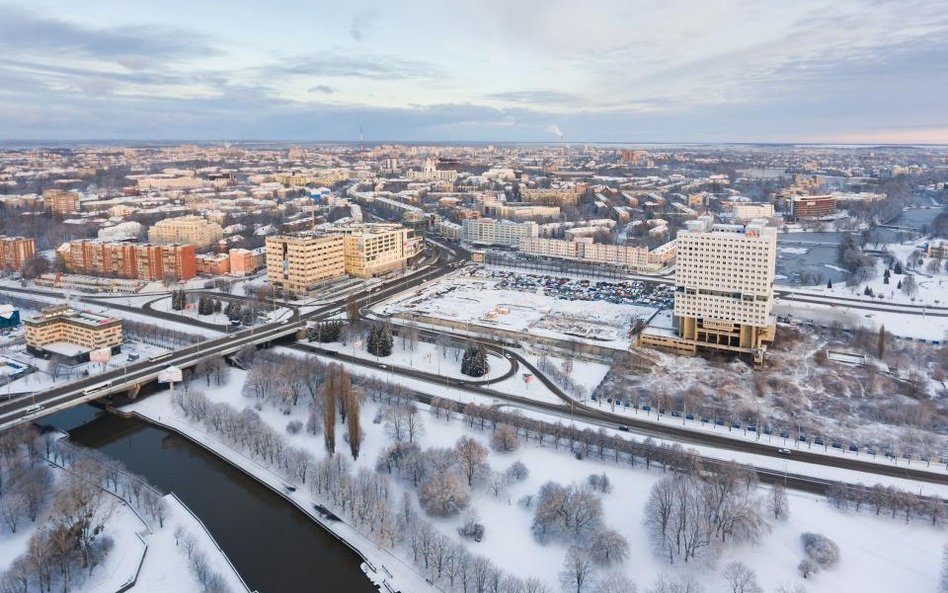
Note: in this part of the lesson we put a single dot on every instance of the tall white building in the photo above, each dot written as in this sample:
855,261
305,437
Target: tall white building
723,288
488,231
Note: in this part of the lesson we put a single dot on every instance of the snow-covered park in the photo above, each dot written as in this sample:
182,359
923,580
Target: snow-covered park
73,522
876,553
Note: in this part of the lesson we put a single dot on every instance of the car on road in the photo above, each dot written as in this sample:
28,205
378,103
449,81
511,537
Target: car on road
34,409
783,451
623,428
383,366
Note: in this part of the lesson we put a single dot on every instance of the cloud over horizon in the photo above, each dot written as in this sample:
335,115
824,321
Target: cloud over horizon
812,70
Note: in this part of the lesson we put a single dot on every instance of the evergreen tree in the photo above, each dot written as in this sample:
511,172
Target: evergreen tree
386,341
380,339
868,291
233,311
885,277
246,317
178,300
829,283
474,362
217,306
898,268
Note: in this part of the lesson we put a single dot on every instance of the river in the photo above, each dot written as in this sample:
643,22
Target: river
275,547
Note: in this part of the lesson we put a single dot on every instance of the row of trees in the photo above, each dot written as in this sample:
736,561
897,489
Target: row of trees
889,500
363,498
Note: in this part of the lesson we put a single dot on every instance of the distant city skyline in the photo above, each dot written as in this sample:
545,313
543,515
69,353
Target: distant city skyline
738,71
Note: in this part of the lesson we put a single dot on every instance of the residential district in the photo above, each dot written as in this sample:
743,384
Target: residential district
621,335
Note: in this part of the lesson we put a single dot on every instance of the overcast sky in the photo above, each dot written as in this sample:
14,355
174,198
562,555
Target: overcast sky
863,71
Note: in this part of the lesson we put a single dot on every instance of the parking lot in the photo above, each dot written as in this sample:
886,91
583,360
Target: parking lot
619,293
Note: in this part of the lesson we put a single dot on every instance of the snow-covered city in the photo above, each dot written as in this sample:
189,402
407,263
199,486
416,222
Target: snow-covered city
512,297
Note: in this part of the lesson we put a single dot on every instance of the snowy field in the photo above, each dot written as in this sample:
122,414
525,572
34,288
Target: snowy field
928,328
877,554
479,301
424,356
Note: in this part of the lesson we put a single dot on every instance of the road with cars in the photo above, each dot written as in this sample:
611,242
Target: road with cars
81,391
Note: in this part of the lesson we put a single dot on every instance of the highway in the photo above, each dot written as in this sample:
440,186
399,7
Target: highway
73,393
87,389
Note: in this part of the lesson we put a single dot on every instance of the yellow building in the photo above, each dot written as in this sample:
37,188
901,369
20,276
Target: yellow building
300,263
195,230
376,249
64,331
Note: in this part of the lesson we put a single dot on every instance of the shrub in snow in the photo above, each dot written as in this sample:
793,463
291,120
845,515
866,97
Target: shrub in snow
294,426
807,567
472,528
820,549
517,472
600,483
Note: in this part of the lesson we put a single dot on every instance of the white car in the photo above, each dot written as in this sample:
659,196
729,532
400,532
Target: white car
783,451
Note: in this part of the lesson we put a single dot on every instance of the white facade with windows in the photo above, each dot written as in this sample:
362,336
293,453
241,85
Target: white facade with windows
488,231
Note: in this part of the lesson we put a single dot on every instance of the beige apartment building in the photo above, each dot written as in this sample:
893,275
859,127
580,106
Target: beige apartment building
299,263
363,250
61,202
744,212
195,230
723,289
70,333
567,196
583,249
376,249
523,212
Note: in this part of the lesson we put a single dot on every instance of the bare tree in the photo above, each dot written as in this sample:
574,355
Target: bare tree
615,582
777,504
505,439
578,569
472,457
685,584
741,579
329,409
443,495
607,546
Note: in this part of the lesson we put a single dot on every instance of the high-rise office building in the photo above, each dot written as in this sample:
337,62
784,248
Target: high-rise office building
299,263
723,289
